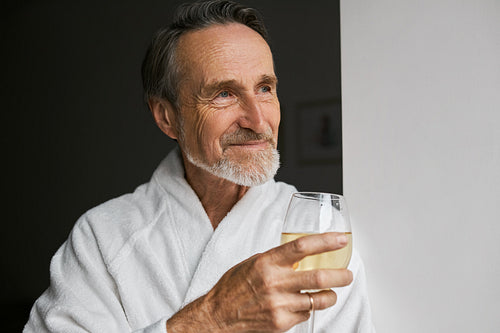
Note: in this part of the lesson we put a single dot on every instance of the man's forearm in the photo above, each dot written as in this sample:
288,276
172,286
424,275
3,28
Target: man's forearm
195,317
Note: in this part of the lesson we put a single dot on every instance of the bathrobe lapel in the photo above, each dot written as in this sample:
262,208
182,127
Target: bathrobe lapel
253,225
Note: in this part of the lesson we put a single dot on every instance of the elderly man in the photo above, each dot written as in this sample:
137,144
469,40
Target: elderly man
194,250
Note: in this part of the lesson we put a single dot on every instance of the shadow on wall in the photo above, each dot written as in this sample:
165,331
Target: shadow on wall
79,134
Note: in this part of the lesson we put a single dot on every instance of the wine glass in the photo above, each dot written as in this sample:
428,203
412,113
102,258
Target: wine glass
313,213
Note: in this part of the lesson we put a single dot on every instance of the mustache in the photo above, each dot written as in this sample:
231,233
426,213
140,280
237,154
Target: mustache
243,135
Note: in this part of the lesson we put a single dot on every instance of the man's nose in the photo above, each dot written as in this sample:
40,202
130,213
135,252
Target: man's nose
253,116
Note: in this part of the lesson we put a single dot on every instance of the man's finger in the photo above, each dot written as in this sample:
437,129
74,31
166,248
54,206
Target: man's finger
292,252
321,279
321,300
316,279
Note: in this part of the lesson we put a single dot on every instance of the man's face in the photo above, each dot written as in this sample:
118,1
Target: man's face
228,103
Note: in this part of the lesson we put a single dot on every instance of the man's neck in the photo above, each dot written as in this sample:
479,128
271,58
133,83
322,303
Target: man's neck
217,195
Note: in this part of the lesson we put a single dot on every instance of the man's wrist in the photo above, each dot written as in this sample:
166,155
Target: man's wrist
195,317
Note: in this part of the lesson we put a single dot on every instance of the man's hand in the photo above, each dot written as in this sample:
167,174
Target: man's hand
262,293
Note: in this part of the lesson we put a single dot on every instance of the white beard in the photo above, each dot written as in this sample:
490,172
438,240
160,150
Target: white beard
258,168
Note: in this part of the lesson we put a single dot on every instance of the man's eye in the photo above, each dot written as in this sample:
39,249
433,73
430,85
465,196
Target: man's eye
223,94
265,89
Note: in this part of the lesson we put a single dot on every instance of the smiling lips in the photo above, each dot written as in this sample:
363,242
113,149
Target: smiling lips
252,143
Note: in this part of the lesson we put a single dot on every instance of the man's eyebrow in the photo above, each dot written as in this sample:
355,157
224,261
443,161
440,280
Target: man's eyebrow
269,79
210,88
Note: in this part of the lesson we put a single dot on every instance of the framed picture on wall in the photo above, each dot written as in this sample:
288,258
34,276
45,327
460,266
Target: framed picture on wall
319,132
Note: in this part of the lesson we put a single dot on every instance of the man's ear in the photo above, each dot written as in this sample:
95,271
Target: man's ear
165,116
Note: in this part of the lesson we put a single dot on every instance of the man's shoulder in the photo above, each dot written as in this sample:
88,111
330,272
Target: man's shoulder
135,210
116,222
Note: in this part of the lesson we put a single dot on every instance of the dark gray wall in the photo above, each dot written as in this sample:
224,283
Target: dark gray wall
76,132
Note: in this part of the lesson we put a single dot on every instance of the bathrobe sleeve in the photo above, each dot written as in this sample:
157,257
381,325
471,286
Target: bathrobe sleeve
82,296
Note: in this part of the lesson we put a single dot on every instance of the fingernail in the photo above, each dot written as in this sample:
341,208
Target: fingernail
342,240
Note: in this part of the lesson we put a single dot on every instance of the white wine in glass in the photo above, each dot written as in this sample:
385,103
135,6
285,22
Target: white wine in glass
312,213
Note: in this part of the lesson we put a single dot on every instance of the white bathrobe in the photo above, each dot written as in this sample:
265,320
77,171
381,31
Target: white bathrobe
132,262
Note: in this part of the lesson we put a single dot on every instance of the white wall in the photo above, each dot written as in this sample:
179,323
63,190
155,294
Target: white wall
421,126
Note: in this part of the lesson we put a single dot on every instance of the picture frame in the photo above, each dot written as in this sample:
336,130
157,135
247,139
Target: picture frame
319,128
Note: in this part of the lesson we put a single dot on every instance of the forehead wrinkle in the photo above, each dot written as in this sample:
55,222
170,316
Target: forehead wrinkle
204,57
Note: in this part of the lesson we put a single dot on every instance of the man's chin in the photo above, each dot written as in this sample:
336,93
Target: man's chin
250,170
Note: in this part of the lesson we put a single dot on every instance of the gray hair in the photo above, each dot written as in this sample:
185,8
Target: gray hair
160,68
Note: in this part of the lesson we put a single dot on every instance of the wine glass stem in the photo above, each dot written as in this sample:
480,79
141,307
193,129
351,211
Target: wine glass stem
311,323
306,326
